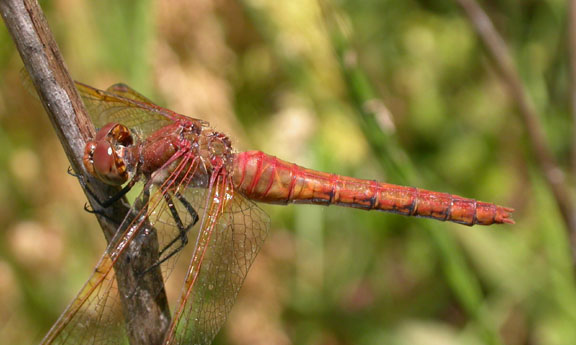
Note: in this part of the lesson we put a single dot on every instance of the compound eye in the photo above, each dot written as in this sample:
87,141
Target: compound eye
106,164
105,157
121,135
103,132
115,133
88,158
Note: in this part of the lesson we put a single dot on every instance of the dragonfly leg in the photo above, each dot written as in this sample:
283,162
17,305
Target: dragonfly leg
183,229
107,203
104,204
82,180
73,173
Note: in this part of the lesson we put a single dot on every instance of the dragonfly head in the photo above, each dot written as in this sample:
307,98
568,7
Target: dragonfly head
107,156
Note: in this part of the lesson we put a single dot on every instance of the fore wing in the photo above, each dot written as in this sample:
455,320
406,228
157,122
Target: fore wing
95,315
232,232
121,104
225,243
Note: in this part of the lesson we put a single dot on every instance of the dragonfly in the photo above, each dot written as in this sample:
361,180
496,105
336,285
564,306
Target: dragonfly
200,193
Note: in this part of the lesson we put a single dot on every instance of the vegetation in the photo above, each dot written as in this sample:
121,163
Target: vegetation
397,91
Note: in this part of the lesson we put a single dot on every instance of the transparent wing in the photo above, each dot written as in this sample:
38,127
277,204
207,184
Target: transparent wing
121,104
228,237
96,314
232,233
82,322
126,91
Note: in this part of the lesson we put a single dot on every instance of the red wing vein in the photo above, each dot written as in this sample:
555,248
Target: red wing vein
236,235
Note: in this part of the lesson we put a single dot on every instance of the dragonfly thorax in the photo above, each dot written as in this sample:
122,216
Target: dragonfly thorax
200,154
215,149
186,151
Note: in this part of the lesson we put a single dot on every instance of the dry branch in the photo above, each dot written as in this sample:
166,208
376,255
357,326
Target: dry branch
501,57
147,318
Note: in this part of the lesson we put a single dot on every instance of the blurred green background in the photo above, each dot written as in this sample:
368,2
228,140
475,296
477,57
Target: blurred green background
299,82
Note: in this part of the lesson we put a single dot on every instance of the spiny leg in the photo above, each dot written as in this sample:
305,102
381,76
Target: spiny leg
182,229
104,204
111,200
118,195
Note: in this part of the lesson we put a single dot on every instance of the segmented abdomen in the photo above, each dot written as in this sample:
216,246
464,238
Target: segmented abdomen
268,179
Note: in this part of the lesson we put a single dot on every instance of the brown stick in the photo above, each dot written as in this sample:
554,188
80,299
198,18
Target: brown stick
500,55
147,314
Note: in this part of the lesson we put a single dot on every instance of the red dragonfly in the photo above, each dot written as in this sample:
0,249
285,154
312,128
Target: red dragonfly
196,186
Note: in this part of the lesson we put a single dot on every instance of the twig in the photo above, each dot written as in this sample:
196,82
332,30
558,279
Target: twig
147,315
500,55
